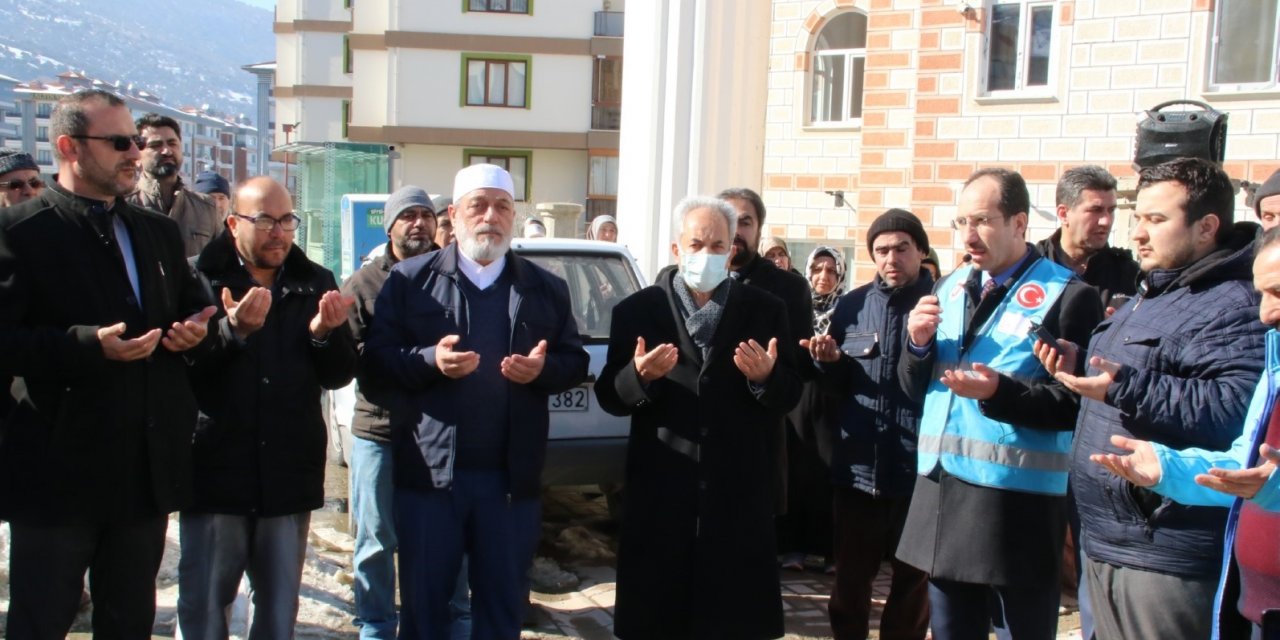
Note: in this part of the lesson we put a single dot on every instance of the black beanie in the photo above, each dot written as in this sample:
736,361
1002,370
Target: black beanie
899,220
1269,188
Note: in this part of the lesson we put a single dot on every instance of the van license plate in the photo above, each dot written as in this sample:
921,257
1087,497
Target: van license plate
576,399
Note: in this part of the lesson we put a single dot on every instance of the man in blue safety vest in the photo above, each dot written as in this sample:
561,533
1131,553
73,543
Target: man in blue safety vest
988,513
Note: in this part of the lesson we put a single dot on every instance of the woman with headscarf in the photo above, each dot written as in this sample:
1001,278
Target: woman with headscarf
775,250
805,530
603,228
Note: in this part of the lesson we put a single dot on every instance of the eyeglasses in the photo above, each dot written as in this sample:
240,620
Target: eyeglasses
14,185
264,222
962,223
118,142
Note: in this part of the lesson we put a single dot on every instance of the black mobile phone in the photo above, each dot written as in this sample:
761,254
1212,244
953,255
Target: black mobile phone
1119,300
1037,332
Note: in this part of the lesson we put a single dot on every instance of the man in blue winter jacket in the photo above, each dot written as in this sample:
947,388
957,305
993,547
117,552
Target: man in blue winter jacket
1242,477
466,345
1173,366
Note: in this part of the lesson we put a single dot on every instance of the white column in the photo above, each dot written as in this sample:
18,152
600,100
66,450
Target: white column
693,104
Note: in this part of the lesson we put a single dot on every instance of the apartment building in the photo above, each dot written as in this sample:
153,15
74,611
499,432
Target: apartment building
409,92
894,102
211,142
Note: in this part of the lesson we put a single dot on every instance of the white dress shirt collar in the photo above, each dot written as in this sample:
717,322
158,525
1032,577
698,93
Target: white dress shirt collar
482,276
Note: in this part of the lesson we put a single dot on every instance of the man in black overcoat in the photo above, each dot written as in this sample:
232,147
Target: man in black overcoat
100,316
697,361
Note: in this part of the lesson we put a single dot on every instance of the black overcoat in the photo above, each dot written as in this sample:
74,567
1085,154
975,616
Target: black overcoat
697,553
92,440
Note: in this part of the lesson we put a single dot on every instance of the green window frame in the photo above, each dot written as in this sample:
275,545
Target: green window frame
496,80
515,7
346,117
519,162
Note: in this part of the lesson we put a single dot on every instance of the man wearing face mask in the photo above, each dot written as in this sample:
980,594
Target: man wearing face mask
750,268
698,361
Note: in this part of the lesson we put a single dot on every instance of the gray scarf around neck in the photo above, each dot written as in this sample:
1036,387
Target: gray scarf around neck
701,323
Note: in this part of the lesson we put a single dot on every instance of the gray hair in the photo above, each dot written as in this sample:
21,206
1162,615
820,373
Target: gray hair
1078,179
692,203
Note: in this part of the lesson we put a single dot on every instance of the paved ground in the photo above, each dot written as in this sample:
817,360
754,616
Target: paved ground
575,577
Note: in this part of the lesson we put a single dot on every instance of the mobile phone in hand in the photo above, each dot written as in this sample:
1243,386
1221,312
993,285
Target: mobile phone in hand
1038,332
1118,300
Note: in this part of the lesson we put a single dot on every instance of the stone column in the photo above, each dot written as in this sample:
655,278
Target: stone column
562,218
693,101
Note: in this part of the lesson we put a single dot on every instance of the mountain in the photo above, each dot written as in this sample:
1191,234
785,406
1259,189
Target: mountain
188,53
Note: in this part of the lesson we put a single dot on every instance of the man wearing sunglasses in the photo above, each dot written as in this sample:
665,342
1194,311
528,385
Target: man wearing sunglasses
100,317
160,187
19,178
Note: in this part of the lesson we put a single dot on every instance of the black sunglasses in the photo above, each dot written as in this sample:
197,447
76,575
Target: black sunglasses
14,185
118,142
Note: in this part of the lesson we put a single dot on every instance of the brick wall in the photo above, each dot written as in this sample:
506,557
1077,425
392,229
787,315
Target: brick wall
926,125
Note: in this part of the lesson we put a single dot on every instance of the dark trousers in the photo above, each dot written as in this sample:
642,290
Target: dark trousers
46,577
966,611
475,517
866,530
806,526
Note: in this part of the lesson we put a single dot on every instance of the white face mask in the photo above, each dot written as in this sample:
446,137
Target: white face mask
704,271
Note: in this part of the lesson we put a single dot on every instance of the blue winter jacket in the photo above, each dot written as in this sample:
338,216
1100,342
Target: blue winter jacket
421,303
1190,349
875,447
1180,467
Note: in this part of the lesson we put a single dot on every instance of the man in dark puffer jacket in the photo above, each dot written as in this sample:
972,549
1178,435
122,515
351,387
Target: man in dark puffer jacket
1176,367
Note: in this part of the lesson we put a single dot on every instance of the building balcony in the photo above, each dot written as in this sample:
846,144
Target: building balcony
609,24
606,118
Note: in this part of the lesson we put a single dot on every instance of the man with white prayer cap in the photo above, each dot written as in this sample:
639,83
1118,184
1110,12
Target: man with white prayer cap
468,343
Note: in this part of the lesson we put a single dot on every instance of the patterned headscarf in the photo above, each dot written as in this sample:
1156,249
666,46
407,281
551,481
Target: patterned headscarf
824,304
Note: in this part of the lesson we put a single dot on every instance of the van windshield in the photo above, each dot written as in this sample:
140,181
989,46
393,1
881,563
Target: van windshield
597,282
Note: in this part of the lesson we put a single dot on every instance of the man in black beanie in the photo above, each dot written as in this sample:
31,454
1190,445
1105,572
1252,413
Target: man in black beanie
19,178
212,184
873,459
1266,202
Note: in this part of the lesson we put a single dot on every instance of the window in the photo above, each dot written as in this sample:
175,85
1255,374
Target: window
346,54
1244,44
1019,44
839,62
496,81
499,6
44,109
346,116
44,156
42,133
597,282
606,94
603,178
515,162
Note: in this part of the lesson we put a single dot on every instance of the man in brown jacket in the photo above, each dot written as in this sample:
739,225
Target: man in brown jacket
160,186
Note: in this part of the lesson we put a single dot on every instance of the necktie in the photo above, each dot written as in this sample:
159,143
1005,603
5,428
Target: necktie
987,287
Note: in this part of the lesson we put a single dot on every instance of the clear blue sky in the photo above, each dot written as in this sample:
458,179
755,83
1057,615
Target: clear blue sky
261,4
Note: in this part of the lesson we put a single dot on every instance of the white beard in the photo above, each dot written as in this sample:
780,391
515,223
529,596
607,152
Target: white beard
481,250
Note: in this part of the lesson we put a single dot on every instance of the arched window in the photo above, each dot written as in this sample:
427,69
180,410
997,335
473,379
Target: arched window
839,63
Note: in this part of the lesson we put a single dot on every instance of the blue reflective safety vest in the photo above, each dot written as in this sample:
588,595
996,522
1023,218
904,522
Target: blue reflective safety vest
953,430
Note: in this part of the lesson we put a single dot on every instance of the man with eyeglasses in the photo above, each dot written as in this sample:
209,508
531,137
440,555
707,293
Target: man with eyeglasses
161,187
19,178
259,448
100,318
988,513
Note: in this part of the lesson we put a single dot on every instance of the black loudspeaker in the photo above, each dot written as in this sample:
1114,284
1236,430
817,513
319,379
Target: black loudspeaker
1168,135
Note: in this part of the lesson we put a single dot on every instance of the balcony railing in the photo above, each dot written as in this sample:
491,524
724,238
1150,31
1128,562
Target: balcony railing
606,118
609,24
